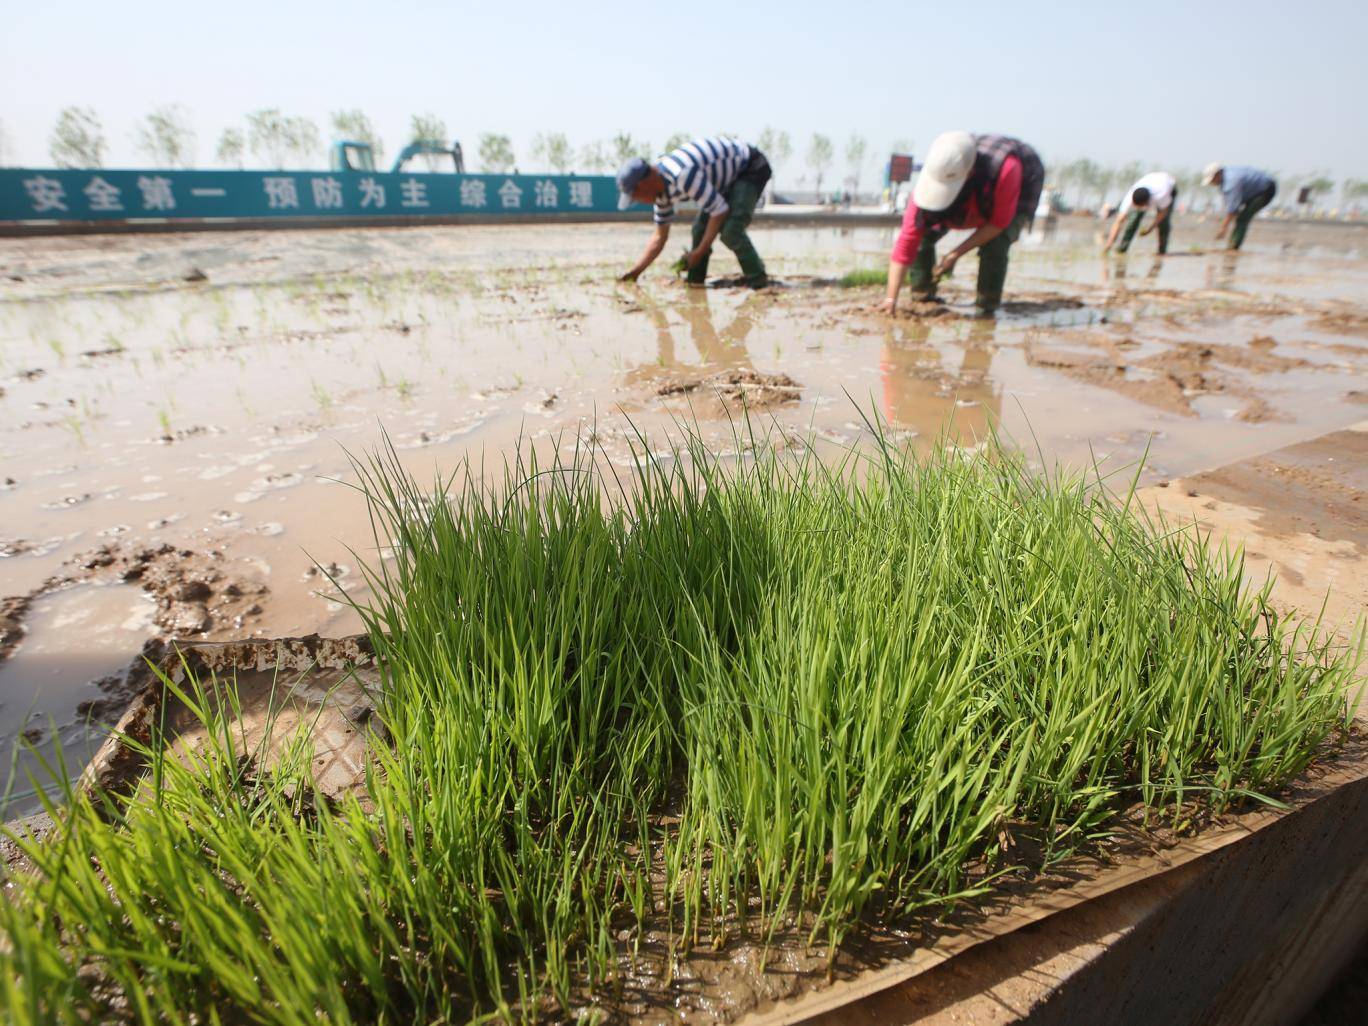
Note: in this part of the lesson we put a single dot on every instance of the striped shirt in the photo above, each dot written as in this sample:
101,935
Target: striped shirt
700,170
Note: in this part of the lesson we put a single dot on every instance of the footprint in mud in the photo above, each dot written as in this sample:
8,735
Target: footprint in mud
194,431
67,501
269,483
327,570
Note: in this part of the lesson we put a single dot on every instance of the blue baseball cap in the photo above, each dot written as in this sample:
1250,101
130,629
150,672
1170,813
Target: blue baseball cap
629,176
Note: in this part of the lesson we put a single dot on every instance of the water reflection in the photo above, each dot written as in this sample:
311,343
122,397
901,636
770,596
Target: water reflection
922,393
1114,270
718,349
1220,272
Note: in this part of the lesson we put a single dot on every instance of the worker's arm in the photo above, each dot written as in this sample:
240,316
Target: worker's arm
709,237
1115,230
897,274
1226,222
1160,216
986,233
653,249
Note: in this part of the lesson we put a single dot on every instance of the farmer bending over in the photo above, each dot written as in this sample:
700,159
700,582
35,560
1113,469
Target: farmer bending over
1246,190
990,183
725,177
1155,191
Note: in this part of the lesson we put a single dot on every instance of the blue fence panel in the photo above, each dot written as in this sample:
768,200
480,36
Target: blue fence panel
100,195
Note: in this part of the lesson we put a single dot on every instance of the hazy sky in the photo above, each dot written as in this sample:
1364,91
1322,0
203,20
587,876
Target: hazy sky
1173,84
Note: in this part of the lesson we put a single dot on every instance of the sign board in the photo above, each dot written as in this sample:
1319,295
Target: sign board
900,168
108,195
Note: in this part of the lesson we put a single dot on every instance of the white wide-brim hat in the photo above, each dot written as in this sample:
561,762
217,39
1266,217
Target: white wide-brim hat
1209,174
947,168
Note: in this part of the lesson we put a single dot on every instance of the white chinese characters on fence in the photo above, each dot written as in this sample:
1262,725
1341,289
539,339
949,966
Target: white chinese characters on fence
156,194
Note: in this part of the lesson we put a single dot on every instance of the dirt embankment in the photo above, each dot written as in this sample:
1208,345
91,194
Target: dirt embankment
1176,375
1299,513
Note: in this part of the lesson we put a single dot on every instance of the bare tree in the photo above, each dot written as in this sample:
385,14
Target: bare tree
354,126
77,139
1354,191
429,128
1319,184
231,148
675,141
302,139
819,155
625,148
4,145
496,154
268,135
596,158
777,148
553,152
166,137
856,148
1130,172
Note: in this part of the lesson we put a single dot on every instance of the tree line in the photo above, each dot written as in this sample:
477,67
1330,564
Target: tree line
274,139
271,138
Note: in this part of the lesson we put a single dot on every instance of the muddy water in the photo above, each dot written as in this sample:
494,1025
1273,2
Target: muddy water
193,434
77,642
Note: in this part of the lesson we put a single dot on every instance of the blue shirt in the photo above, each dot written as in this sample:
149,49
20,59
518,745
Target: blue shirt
1241,184
701,171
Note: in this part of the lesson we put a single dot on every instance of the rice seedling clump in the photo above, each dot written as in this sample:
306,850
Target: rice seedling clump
723,699
863,276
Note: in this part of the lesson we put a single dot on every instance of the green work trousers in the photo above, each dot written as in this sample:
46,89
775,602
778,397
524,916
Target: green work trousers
1246,214
992,270
1133,222
741,197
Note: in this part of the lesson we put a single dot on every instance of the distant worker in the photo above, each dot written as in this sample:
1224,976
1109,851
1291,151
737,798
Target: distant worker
1156,191
990,183
725,177
1247,190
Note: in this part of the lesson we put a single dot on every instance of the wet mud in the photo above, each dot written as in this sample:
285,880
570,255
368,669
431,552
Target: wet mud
741,389
183,409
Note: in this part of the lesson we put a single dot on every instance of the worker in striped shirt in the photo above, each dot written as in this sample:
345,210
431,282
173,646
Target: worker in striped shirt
725,178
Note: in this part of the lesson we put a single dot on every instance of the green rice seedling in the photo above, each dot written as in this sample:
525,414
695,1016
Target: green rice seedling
864,276
715,699
321,395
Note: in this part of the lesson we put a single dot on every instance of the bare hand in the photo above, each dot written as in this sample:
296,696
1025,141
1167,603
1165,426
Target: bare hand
946,267
692,257
888,306
630,276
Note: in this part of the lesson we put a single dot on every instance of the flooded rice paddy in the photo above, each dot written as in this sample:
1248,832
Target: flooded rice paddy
176,411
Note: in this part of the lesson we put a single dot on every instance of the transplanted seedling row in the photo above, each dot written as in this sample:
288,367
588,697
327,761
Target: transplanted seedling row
737,697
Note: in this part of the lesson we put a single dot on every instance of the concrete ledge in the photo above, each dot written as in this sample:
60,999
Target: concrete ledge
1250,934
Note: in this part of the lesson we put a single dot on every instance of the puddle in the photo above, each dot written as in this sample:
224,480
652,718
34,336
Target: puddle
48,689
